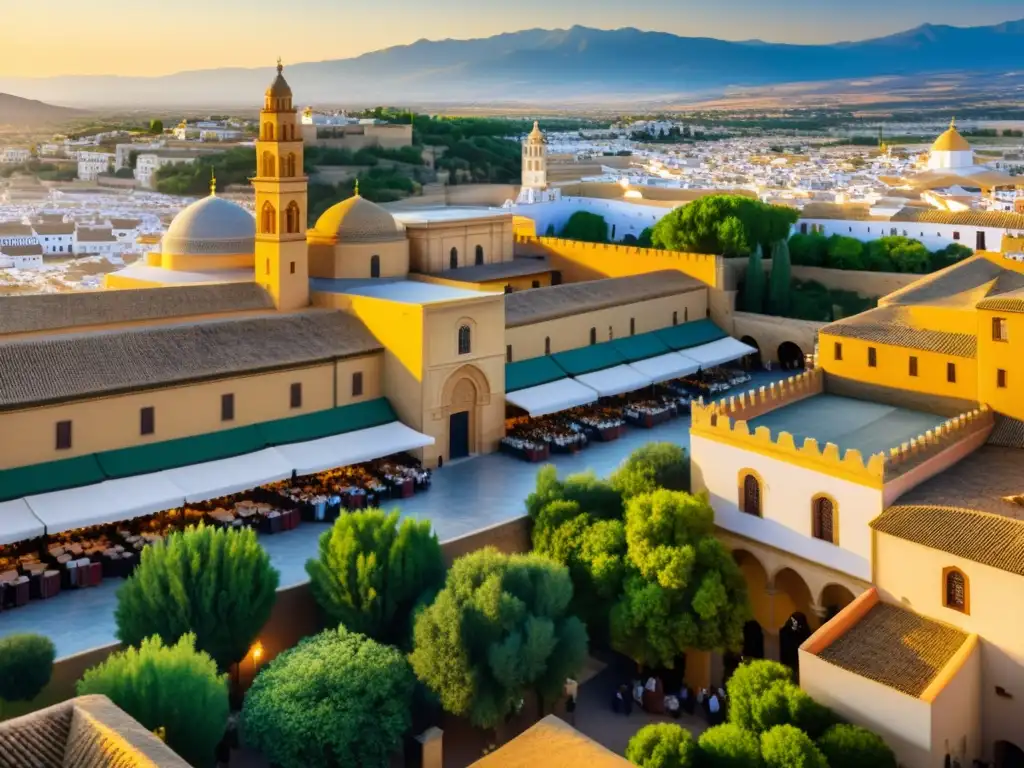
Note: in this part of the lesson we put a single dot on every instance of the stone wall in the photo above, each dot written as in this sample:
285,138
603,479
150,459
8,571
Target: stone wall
771,332
869,285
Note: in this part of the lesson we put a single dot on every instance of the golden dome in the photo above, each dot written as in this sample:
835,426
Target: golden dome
279,89
951,141
535,135
357,220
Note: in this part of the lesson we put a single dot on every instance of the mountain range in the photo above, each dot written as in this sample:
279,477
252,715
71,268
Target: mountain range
15,111
556,66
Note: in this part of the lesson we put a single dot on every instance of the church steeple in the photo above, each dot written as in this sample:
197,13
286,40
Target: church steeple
281,253
535,160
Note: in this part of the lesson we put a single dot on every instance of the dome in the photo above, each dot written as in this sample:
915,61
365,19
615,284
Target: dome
357,220
279,89
536,136
951,141
212,226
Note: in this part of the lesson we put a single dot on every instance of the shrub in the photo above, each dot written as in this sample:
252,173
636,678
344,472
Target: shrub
753,285
216,584
786,746
808,250
747,684
784,703
662,745
26,664
729,746
650,467
336,699
780,284
850,746
172,687
372,573
845,253
586,227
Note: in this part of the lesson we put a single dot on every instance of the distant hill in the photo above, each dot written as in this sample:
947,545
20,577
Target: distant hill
560,66
26,113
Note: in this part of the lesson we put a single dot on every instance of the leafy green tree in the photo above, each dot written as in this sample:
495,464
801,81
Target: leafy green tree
729,746
499,629
753,286
786,746
124,173
809,250
26,664
156,127
651,467
174,687
951,254
586,227
682,590
762,695
730,225
646,239
373,572
595,496
746,686
662,745
336,699
850,746
845,253
781,283
217,584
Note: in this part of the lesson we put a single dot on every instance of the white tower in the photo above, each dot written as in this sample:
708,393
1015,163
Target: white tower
535,161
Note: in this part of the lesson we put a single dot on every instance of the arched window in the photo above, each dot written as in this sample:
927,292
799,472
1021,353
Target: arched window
292,223
956,593
479,255
464,340
823,524
289,166
268,131
453,258
375,266
547,345
751,501
268,219
268,165
593,335
686,314
675,318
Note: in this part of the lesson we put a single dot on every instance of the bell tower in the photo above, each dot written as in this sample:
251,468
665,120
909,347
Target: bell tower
535,160
282,257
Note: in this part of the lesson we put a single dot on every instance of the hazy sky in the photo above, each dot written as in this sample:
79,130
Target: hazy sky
149,37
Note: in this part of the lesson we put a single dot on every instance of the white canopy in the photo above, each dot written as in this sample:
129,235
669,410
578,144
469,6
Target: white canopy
718,352
552,397
111,501
342,450
615,381
17,523
666,367
214,479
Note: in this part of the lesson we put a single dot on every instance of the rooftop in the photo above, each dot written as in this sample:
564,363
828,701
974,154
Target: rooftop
447,215
894,326
401,291
175,277
848,423
896,648
503,269
551,743
540,304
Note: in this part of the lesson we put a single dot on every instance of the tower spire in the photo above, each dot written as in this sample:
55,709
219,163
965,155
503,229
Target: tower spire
213,183
357,186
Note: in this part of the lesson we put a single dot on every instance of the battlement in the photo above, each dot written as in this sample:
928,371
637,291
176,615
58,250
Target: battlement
727,420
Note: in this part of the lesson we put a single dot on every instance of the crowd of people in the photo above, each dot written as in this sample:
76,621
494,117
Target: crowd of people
651,697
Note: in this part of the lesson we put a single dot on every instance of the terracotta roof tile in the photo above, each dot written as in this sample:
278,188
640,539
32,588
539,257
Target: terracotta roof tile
22,250
888,325
994,219
50,228
95,236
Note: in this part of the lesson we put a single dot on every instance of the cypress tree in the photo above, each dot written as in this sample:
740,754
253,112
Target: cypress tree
753,289
781,279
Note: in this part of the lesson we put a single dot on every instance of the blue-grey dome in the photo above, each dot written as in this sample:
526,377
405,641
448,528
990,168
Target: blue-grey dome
212,226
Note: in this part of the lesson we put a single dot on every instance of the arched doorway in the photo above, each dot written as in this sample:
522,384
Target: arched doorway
792,635
834,598
757,587
752,362
1008,755
791,357
462,396
793,601
753,641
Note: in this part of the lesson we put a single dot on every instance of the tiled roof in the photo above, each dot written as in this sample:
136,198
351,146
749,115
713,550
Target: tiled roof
896,648
50,228
1007,302
1008,433
551,742
992,540
86,732
54,368
994,219
95,236
843,212
125,223
498,271
540,304
888,325
14,229
22,250
53,311
965,284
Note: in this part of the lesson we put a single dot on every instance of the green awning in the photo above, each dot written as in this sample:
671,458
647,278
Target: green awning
596,357
531,373
693,334
171,454
641,347
336,421
49,476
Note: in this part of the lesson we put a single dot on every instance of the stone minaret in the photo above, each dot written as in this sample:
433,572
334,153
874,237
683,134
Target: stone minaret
535,161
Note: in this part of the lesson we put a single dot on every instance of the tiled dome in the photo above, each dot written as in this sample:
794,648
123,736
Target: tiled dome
357,220
212,226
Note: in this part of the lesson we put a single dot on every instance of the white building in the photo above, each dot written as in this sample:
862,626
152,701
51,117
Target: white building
19,246
92,164
101,241
50,150
15,155
309,117
207,131
125,231
148,164
123,152
951,153
55,235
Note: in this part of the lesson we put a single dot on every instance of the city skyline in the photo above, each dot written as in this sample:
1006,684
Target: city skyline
337,33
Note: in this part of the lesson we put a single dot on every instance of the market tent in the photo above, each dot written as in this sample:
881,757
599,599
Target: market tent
531,373
49,476
718,352
17,523
552,397
169,454
112,501
213,479
687,335
615,381
589,359
641,347
665,367
353,447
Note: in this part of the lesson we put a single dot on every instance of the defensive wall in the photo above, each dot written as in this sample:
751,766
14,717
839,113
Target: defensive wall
869,285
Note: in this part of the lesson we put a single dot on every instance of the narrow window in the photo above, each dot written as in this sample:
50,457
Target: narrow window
536,283
632,326
955,590
751,496
227,407
675,318
1001,378
508,353
147,420
593,336
63,435
291,267
547,345
357,384
296,395
838,351
686,314
464,340
453,258
913,365
479,255
375,266
824,519
951,373
999,330
872,357
956,235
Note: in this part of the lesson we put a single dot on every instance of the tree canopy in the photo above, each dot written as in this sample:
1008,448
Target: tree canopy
786,746
173,687
217,584
336,699
729,746
26,664
499,629
156,127
372,573
682,590
663,745
762,695
650,467
730,225
850,746
586,227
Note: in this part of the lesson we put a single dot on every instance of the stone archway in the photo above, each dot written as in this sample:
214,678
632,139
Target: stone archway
752,362
791,357
1008,755
834,597
462,397
795,606
758,590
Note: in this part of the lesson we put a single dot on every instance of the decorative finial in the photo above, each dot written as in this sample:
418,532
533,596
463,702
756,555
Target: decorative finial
357,187
952,122
213,183
280,66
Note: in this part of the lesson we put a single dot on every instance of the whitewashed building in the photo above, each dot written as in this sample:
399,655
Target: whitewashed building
148,164
56,236
100,241
15,155
92,164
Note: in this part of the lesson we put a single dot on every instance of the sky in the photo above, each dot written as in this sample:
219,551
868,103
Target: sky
154,37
